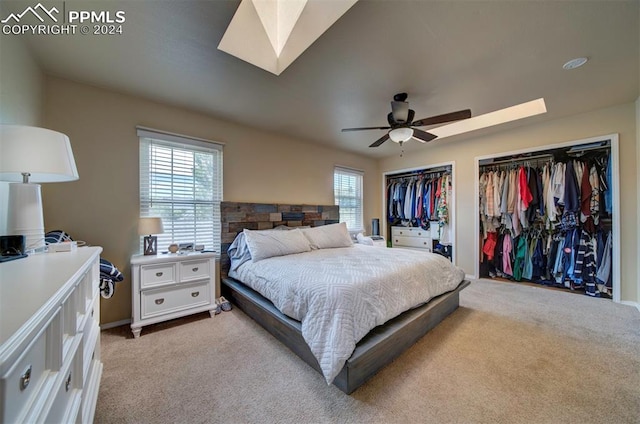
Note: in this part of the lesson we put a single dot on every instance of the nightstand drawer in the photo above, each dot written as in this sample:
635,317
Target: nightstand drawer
157,275
176,298
194,270
422,242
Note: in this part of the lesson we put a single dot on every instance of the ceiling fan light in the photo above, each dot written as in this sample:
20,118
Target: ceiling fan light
401,134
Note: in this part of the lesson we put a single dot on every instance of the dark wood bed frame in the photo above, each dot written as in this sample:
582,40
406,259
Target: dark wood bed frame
377,349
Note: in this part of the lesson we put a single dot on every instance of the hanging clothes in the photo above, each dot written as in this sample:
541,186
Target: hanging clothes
419,199
542,222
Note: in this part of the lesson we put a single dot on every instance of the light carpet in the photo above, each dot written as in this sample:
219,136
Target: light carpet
510,354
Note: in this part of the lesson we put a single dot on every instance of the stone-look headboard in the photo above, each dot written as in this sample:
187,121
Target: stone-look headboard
262,216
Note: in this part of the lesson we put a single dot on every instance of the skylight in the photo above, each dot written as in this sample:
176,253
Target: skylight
271,34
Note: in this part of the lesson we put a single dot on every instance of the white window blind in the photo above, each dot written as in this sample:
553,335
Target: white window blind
347,190
181,182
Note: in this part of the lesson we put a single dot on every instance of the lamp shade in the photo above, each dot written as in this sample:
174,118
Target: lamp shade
401,134
150,225
44,154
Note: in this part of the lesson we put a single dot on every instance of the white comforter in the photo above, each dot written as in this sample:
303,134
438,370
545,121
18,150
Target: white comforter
339,295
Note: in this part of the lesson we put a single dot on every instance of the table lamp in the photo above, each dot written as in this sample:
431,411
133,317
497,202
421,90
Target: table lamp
30,155
146,227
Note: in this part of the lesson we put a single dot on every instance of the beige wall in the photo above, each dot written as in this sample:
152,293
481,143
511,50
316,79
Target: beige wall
20,84
102,207
619,119
20,97
638,205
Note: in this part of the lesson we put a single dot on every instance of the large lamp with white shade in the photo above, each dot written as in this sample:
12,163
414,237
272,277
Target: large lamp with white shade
29,156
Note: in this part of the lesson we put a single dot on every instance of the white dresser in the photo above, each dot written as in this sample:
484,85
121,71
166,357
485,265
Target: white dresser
411,238
50,365
169,286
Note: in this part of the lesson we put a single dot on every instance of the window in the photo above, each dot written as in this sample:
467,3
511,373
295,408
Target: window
181,182
347,190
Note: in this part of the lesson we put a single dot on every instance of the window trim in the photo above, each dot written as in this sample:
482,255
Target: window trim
358,173
174,140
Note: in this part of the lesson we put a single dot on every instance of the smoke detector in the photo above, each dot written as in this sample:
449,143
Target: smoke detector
575,63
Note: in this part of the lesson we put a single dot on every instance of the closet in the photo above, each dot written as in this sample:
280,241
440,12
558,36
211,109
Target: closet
418,205
546,217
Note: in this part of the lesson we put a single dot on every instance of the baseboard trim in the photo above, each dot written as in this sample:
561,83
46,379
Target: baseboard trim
629,303
470,277
115,324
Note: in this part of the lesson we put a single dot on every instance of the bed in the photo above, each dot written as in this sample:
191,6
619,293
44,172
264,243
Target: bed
367,330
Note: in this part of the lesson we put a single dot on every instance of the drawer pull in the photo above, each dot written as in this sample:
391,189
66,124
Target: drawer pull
25,379
194,269
159,301
419,234
195,294
67,383
159,274
424,242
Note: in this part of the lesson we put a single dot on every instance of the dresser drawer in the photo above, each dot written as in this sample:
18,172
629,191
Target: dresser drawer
66,405
157,275
194,270
409,232
165,300
418,242
23,383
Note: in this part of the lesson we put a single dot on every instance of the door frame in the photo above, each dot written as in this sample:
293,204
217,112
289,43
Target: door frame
615,191
452,203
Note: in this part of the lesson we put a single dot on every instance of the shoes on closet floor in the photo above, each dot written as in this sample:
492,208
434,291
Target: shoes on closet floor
224,304
218,307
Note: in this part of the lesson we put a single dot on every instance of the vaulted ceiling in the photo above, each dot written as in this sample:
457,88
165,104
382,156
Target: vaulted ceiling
448,55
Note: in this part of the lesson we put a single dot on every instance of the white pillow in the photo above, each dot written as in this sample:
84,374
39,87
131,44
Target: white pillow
265,244
328,236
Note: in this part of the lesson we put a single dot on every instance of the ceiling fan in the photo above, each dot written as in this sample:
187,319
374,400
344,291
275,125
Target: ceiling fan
402,126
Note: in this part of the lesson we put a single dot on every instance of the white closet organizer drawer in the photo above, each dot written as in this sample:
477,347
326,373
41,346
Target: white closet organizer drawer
417,249
194,270
409,232
402,241
172,299
157,275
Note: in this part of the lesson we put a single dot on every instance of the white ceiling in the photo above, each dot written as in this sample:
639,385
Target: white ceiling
448,55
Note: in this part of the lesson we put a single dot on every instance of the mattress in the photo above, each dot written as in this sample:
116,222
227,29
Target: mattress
341,294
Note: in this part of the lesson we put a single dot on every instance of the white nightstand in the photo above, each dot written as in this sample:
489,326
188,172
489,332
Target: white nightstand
168,286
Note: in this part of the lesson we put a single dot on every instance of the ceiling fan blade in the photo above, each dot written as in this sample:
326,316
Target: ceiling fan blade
423,136
365,128
447,117
380,140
